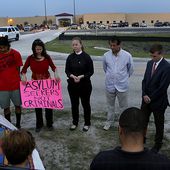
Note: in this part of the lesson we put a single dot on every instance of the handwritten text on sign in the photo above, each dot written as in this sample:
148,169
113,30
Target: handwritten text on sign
41,94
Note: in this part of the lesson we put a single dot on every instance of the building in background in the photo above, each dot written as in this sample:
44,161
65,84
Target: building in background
65,19
108,18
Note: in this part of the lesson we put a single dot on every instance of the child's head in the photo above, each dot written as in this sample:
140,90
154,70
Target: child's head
17,146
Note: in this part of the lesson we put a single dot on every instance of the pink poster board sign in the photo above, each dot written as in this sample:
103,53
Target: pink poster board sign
42,94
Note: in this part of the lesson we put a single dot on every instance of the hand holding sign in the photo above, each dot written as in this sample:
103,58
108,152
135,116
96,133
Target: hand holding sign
23,78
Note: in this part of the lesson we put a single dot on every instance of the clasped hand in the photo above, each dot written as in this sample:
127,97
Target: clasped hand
76,78
146,99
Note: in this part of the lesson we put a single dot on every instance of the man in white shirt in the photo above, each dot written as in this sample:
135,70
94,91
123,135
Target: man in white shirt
118,67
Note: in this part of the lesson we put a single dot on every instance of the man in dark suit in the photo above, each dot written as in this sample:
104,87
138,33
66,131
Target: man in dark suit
154,91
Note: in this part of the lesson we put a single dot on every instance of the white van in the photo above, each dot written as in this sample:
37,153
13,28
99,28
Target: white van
10,32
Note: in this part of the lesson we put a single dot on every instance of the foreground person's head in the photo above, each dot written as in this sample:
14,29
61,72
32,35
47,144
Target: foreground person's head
17,146
132,127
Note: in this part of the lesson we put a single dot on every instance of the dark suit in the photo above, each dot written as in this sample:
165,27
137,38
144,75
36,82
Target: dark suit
155,87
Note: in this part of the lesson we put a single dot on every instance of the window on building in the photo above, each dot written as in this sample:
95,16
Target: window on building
101,22
87,22
143,21
94,22
114,21
152,21
107,22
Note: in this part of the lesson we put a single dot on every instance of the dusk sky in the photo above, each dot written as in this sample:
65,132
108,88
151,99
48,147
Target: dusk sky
23,8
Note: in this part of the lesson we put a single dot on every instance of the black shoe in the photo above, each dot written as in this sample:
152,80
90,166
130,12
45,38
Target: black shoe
144,140
18,126
73,127
51,128
8,117
38,130
156,148
86,128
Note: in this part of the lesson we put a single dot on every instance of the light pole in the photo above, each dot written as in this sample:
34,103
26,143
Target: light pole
45,9
74,4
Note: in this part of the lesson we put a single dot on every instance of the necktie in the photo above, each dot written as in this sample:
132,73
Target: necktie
153,68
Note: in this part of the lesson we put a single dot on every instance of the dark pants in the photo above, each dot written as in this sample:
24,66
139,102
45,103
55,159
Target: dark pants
39,117
80,91
158,119
7,114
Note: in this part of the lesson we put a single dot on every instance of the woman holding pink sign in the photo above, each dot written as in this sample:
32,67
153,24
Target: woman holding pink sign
39,63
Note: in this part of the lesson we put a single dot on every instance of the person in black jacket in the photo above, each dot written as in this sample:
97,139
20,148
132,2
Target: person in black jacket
79,69
154,91
131,154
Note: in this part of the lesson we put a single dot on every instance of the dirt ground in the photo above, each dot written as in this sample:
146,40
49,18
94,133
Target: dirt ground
62,149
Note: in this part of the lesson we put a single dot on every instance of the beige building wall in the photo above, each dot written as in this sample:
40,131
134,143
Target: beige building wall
148,18
31,20
105,18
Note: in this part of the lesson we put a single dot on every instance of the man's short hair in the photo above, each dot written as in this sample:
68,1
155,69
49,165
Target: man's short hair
17,146
4,41
115,39
132,120
156,47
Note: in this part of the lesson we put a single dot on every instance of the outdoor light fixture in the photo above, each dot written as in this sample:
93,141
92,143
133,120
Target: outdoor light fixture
45,10
74,4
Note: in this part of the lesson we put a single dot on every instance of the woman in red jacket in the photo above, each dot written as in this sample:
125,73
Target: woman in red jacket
39,63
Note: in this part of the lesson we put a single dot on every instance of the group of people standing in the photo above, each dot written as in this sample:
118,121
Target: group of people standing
133,122
10,63
118,67
79,69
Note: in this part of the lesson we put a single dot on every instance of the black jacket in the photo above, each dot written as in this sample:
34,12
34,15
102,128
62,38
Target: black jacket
156,86
118,159
81,64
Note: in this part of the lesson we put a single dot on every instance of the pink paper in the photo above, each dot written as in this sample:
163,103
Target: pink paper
42,94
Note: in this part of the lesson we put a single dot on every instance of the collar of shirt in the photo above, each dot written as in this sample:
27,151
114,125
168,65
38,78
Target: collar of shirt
157,63
79,52
117,54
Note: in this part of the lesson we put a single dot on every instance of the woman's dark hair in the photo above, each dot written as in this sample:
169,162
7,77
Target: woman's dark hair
80,41
38,42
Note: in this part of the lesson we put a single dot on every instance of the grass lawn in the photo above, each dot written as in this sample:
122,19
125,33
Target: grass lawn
65,46
137,49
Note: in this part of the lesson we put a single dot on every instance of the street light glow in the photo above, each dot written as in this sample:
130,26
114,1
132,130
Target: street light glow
10,21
